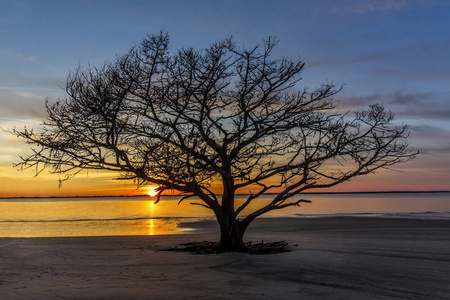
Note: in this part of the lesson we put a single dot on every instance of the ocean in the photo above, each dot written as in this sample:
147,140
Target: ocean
115,216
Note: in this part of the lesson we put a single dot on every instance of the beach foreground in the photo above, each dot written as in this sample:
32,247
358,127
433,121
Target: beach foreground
331,258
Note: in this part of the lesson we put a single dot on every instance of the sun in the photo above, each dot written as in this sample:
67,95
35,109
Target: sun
152,191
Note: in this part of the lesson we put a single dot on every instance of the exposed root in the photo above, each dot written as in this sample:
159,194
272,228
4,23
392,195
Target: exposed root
267,248
206,247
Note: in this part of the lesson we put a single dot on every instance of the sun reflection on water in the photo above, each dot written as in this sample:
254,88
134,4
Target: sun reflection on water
152,221
151,227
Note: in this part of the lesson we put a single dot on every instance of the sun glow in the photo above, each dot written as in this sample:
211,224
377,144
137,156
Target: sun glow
152,191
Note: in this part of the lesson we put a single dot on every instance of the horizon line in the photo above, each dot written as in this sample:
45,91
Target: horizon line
305,193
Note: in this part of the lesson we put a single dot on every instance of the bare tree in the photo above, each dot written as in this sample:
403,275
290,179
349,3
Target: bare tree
183,121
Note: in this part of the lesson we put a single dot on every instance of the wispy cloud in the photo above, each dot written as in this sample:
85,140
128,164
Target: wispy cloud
426,105
21,104
360,7
432,137
24,88
346,61
10,145
19,56
423,105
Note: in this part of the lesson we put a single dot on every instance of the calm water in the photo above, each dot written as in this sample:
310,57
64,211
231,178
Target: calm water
51,217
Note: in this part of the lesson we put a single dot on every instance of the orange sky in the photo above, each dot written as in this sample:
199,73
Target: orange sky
15,183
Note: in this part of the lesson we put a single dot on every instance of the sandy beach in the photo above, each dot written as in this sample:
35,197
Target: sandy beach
330,258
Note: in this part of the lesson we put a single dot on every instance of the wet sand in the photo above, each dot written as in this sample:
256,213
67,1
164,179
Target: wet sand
331,258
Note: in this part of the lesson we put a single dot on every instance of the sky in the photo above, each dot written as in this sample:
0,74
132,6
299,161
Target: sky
394,52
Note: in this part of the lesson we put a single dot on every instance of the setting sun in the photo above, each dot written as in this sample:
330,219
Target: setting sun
152,191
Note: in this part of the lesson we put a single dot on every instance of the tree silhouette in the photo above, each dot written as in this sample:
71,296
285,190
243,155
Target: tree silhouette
183,121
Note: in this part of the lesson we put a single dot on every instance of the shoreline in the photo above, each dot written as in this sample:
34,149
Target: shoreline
330,258
162,226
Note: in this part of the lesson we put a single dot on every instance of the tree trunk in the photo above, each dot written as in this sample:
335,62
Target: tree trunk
231,235
231,230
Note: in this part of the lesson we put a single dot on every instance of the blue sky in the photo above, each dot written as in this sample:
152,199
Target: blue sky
390,51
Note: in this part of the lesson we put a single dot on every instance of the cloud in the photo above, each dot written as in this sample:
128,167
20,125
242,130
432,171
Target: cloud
431,137
420,105
23,103
18,56
370,57
368,6
361,7
418,61
427,115
20,109
426,105
10,145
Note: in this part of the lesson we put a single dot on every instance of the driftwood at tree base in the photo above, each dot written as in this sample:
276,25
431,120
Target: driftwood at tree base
267,248
206,247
